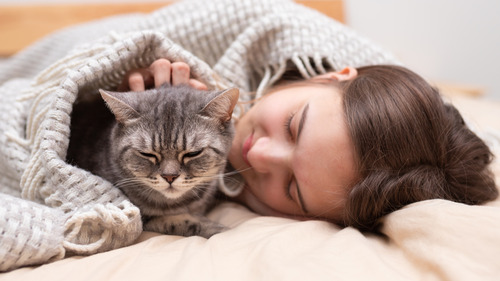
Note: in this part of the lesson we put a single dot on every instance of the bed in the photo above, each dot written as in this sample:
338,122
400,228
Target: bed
429,240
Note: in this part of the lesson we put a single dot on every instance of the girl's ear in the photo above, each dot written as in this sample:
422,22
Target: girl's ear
348,73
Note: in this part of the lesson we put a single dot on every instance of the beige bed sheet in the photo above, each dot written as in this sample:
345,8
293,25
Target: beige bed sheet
430,240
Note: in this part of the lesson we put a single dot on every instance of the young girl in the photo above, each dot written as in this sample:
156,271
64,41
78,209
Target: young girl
348,146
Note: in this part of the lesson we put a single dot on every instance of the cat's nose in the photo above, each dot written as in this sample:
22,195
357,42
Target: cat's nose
170,178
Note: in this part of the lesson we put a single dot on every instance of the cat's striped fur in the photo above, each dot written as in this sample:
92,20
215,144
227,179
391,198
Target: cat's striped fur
164,148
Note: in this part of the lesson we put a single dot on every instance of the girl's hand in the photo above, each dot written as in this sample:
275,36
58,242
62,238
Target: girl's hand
159,72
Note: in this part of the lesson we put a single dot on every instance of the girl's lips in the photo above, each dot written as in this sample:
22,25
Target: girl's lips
246,147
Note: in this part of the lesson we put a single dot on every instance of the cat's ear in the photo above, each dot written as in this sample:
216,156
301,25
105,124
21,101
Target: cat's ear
221,107
117,103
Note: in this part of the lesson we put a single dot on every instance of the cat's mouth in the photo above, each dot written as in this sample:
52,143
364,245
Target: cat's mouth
170,191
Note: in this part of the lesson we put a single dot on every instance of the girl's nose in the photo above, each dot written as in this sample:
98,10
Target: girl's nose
269,154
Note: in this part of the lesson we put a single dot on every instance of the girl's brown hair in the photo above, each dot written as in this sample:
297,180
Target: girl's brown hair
411,146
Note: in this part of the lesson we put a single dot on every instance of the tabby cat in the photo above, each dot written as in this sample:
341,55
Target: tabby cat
164,148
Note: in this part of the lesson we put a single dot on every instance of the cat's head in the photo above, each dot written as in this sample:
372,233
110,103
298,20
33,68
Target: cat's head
171,139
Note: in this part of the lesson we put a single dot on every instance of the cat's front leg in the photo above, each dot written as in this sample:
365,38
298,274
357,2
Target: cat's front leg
184,225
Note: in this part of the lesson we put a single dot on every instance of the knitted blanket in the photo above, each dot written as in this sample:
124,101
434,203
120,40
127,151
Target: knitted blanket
49,208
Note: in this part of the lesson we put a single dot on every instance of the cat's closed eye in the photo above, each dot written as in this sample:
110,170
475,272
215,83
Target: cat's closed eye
165,160
150,156
192,154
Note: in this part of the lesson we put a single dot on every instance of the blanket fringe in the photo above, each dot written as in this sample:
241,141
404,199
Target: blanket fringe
273,72
47,133
259,44
48,178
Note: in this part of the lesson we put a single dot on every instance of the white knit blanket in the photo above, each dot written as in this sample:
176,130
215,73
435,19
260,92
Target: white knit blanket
49,208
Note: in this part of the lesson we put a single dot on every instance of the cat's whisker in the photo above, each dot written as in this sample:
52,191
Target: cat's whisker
162,144
149,192
236,172
225,175
195,193
231,181
128,181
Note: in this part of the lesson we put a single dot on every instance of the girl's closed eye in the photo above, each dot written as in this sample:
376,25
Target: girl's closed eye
288,126
296,198
288,189
289,134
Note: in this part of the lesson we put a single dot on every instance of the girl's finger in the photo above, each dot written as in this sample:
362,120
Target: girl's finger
136,81
197,84
161,69
180,73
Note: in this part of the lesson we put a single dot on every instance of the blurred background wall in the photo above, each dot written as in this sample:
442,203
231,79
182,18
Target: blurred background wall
446,41
449,41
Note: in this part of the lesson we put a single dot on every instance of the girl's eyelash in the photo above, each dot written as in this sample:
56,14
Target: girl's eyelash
287,190
287,125
288,132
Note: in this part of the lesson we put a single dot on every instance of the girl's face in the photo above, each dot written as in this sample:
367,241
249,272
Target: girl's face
295,153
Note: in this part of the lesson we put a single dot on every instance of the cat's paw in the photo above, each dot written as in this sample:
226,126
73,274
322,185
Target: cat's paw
184,225
208,231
